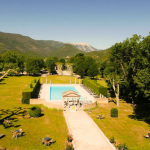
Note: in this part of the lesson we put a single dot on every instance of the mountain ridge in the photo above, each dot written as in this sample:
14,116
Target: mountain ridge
39,48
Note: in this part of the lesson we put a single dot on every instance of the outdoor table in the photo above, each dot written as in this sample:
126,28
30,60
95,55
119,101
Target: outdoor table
47,138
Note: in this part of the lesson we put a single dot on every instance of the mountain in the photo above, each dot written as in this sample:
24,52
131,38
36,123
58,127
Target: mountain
27,45
65,50
41,48
84,47
99,55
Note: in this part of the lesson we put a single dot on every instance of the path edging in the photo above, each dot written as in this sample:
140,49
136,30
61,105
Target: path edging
69,130
101,131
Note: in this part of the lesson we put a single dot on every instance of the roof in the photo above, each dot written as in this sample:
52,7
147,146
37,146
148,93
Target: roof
70,93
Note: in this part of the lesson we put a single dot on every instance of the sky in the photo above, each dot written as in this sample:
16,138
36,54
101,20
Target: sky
100,23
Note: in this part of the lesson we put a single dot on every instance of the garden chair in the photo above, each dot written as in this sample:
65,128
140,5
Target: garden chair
20,132
42,141
15,134
148,135
7,121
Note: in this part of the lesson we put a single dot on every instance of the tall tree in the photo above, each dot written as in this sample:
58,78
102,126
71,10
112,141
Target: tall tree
50,64
33,65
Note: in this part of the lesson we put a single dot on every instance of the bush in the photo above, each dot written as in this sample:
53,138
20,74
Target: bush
35,111
114,112
112,140
70,138
69,147
122,147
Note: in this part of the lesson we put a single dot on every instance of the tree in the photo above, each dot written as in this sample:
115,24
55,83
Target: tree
79,67
79,55
71,60
34,65
93,70
9,57
18,70
50,64
123,64
62,60
87,63
142,75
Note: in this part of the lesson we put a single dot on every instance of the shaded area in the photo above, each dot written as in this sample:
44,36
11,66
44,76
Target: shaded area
11,116
141,113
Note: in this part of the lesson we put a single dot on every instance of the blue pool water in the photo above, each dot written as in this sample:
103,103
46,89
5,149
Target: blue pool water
56,92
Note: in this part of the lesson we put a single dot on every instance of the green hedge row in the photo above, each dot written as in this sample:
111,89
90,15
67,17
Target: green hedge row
29,91
95,87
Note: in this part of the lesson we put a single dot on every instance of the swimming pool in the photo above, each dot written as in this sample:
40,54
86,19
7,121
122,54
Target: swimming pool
56,92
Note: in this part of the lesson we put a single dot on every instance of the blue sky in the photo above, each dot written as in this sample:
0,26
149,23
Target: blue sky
100,23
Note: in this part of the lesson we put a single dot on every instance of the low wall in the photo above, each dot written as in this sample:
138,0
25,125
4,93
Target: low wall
49,105
102,100
88,106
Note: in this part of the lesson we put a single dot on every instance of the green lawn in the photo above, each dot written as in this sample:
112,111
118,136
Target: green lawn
50,123
123,128
55,79
102,82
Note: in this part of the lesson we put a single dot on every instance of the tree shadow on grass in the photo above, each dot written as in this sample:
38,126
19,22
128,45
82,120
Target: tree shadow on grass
10,115
141,113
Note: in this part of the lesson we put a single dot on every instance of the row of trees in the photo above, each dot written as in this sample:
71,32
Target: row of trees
84,65
20,63
128,68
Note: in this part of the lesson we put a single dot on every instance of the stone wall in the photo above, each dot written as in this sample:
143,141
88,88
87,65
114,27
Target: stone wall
88,106
47,104
102,100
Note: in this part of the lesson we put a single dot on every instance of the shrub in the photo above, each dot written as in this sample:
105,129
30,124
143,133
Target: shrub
114,112
69,147
122,147
35,111
112,140
70,138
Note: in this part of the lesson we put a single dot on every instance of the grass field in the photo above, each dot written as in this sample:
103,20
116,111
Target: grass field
55,79
123,128
50,123
102,82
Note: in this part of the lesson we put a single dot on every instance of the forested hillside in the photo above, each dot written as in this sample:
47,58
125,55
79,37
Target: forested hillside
27,45
65,50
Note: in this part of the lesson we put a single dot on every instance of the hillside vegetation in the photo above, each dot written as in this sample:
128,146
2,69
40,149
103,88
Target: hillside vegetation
27,45
42,48
100,55
65,50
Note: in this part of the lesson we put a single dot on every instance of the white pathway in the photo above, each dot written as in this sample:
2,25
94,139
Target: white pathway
86,134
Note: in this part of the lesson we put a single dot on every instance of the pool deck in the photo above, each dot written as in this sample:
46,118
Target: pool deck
86,134
45,93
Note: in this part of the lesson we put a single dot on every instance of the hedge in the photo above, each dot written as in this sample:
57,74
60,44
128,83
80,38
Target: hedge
29,91
95,87
114,112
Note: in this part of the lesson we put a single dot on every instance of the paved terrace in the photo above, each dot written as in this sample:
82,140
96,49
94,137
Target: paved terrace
86,134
